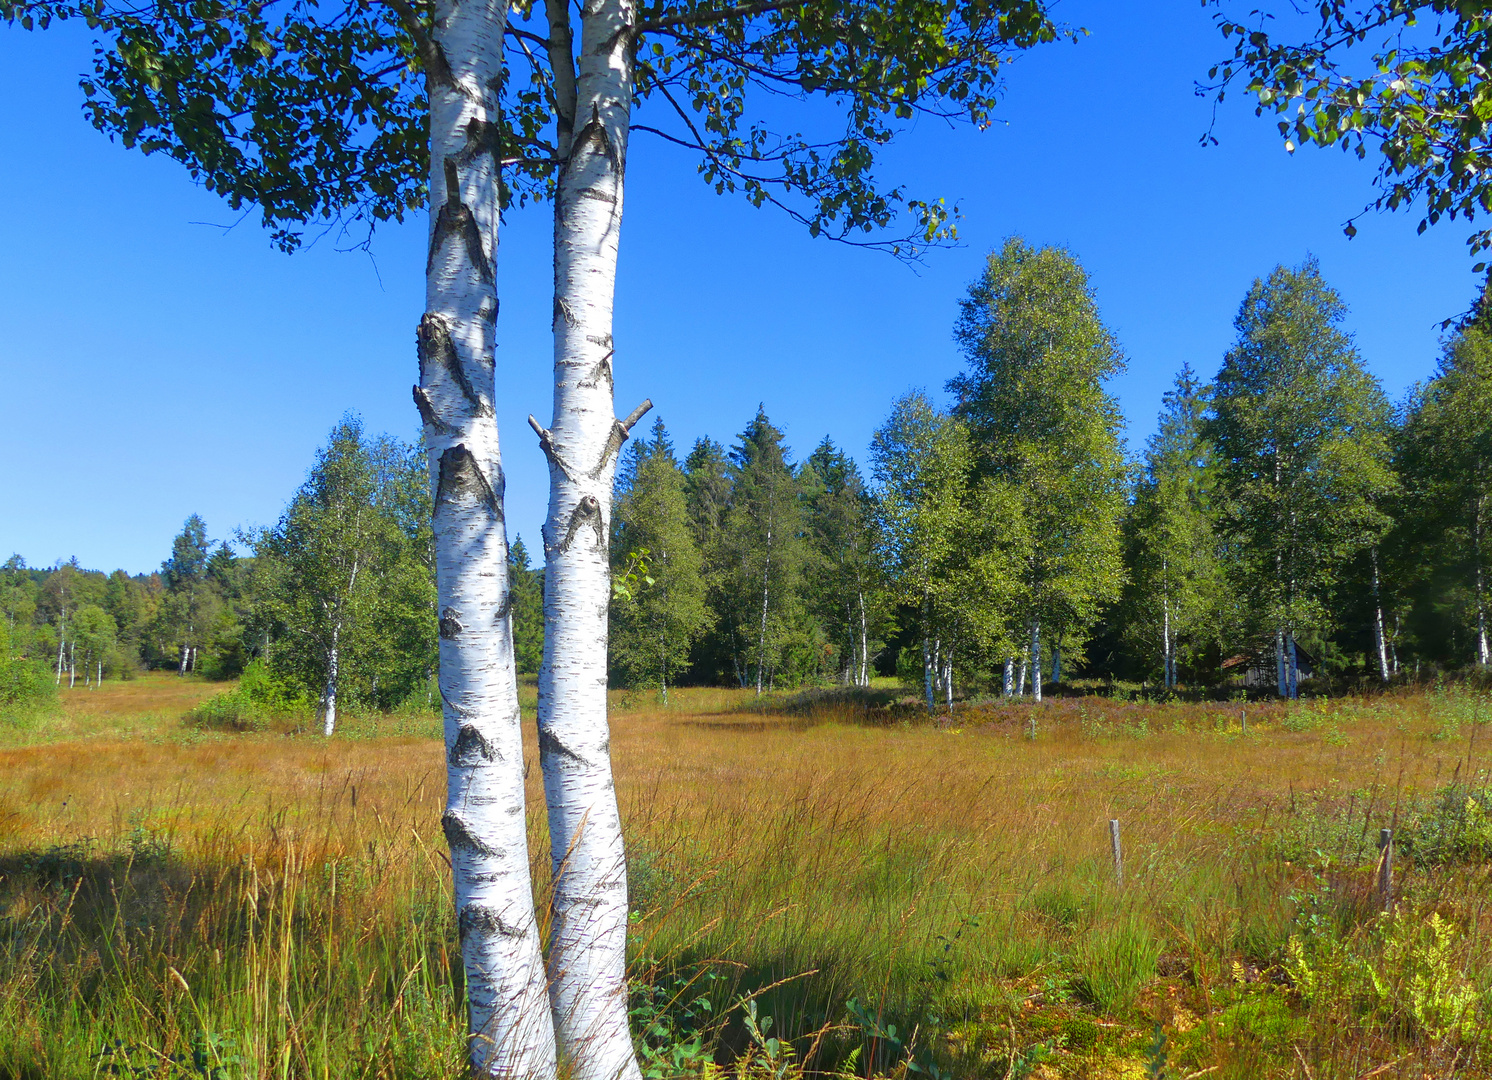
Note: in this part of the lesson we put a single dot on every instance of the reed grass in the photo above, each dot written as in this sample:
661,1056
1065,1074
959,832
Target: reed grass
901,896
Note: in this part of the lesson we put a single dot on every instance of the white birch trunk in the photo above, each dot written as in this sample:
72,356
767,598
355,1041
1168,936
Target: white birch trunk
511,1032
329,695
1056,663
1380,639
948,680
1166,638
588,939
1292,666
761,646
61,646
1035,659
1009,684
864,679
1020,678
100,680
927,674
72,664
182,667
1482,656
1279,662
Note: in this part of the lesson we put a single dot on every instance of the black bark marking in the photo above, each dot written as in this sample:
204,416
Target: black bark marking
456,219
482,137
562,311
471,748
450,624
460,838
546,443
505,607
586,512
620,431
436,348
482,919
461,475
551,747
423,403
459,710
602,370
594,131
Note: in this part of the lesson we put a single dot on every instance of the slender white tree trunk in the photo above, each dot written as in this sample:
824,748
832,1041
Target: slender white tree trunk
588,939
864,644
927,674
1020,678
100,680
948,679
761,645
61,646
329,695
1279,661
1380,639
1035,659
1482,656
1056,663
1166,637
511,1031
181,668
1292,666
1009,684
72,664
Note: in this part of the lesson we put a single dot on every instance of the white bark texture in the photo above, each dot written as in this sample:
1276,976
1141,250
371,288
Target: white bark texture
1035,659
1380,639
1009,682
588,936
511,1031
329,695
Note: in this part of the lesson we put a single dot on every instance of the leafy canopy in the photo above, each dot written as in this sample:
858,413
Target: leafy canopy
316,113
1408,78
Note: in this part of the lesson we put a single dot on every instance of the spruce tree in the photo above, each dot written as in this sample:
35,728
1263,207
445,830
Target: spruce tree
654,626
527,585
1042,423
762,552
1300,433
842,585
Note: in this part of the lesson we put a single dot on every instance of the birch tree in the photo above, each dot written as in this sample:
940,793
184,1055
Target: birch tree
1033,395
1446,461
1172,560
1300,432
950,545
365,112
341,118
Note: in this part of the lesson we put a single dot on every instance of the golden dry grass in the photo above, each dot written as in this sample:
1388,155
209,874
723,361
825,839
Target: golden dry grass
953,878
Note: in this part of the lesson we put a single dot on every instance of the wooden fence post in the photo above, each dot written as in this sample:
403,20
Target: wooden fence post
1118,852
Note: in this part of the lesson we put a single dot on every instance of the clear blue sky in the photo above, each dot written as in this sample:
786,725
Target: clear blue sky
153,365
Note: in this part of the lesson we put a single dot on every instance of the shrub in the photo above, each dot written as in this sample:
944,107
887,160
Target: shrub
231,710
23,681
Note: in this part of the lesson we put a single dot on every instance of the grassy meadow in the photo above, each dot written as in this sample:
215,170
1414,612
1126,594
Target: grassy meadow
902,897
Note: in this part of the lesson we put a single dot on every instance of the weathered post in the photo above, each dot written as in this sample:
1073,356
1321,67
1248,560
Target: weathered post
1386,869
1118,852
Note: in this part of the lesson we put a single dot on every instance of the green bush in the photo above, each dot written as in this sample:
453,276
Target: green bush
22,679
231,710
269,690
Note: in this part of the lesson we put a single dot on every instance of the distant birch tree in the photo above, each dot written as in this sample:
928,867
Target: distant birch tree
1300,433
1043,424
1446,461
950,544
1173,566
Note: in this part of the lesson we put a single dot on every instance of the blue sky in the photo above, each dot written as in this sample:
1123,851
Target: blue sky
154,364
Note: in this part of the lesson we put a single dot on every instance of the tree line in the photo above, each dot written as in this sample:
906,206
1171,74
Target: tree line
1287,508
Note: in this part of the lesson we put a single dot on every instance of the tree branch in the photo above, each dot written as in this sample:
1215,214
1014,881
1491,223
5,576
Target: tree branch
706,18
